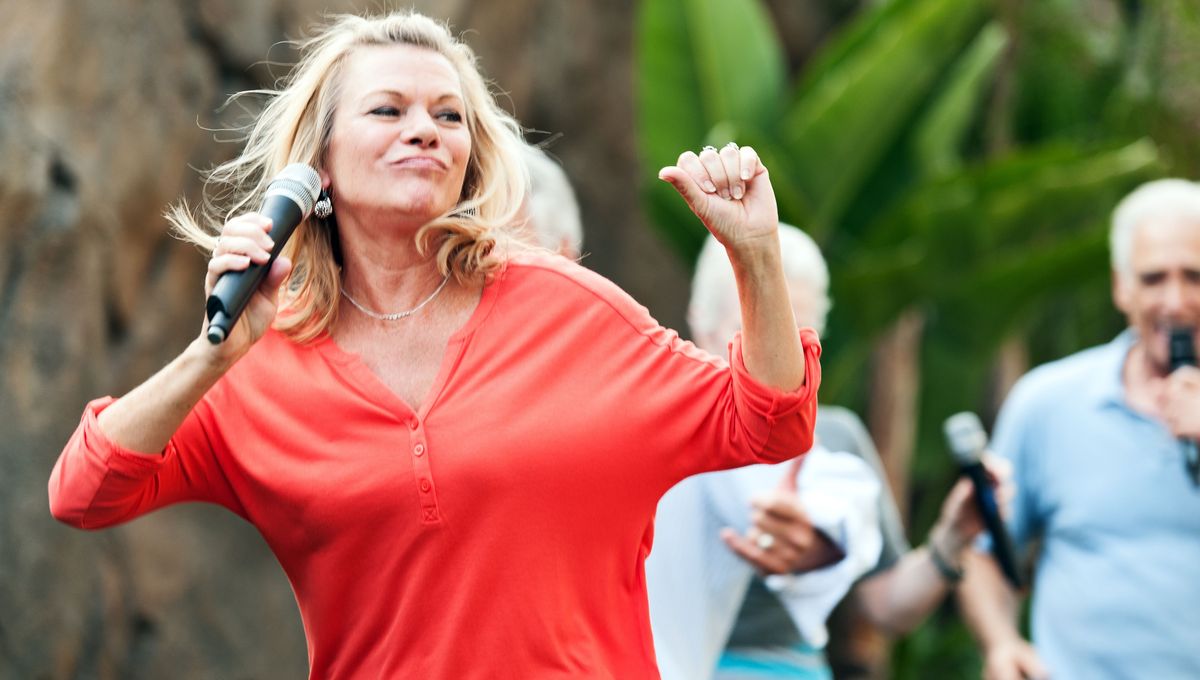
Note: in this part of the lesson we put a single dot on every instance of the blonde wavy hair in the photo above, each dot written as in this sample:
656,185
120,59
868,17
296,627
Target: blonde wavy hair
295,127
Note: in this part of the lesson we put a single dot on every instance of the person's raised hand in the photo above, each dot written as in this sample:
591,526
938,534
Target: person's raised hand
730,191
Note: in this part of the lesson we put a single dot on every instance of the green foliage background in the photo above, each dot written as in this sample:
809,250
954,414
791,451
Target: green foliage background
956,157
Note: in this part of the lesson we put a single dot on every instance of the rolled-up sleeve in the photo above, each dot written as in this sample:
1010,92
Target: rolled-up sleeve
96,483
782,422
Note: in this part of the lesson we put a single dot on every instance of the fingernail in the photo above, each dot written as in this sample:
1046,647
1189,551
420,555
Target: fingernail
745,173
737,192
709,186
725,194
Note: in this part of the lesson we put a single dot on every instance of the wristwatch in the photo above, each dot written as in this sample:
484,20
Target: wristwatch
951,574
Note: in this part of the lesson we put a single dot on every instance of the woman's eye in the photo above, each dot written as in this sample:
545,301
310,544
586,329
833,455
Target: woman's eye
451,116
386,111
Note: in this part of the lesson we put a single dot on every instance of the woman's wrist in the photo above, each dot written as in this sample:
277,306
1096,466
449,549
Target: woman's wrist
755,251
949,541
945,551
211,361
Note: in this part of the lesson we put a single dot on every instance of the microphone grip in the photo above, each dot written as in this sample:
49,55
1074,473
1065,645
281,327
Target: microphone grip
234,289
1191,459
985,502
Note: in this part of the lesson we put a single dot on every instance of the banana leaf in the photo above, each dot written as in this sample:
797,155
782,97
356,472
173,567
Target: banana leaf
699,62
939,137
927,247
845,123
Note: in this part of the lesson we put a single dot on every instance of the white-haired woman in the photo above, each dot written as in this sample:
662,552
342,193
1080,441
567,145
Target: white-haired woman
454,446
552,213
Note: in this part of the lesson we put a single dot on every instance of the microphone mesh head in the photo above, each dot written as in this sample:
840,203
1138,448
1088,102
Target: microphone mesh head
298,182
965,436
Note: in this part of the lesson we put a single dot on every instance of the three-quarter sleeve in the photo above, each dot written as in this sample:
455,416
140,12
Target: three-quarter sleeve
783,421
665,405
96,483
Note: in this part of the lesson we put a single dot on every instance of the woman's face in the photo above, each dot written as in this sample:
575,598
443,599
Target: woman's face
400,143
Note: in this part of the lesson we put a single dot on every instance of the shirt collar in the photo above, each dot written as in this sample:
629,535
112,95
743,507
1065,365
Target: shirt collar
1108,389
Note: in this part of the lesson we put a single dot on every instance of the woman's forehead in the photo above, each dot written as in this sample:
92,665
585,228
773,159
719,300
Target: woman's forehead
401,68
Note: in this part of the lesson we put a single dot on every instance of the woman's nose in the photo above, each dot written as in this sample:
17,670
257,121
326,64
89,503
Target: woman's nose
422,130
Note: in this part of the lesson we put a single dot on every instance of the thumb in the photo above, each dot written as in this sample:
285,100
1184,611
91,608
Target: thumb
790,474
1032,666
684,184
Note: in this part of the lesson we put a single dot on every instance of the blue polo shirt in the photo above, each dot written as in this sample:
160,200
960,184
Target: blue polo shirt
1117,581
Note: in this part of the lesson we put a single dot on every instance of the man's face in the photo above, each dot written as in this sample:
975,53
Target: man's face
1162,288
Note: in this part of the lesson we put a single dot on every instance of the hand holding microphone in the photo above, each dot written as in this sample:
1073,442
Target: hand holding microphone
968,441
1183,397
249,245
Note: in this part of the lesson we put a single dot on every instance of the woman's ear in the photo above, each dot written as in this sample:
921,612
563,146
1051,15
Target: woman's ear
326,180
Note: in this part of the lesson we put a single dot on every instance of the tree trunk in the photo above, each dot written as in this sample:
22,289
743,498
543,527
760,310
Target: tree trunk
1012,362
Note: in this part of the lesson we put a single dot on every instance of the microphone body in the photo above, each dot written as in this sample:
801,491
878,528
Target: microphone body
1183,353
967,440
289,200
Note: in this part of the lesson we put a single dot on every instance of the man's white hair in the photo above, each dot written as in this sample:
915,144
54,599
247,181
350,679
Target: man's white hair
1163,199
714,289
553,210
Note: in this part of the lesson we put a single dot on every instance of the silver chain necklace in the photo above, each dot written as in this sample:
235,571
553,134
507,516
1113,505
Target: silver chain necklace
396,315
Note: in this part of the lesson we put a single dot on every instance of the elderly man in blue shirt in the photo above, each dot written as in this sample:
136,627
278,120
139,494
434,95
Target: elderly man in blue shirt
1100,478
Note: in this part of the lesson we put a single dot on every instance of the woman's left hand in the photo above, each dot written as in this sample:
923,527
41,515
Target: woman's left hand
730,191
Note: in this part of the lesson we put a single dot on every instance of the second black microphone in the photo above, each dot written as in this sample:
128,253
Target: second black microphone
968,440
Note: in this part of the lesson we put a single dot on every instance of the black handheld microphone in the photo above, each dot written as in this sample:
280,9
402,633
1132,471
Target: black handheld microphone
967,440
289,200
1183,353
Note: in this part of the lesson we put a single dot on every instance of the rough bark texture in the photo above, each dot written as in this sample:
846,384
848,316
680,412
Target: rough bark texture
895,387
99,108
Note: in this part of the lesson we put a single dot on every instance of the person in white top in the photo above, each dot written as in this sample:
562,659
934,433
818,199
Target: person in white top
747,564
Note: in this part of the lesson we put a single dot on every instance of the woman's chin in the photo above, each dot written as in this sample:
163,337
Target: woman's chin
423,209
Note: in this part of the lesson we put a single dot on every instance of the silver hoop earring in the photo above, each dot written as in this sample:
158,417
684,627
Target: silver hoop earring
324,207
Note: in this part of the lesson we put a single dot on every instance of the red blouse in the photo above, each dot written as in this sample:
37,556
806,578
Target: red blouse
500,531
